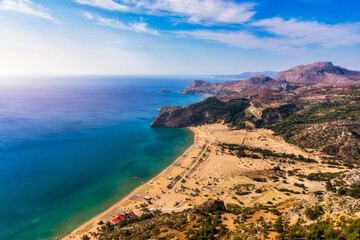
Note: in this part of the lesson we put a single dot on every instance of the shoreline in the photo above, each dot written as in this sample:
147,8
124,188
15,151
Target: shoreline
124,204
204,171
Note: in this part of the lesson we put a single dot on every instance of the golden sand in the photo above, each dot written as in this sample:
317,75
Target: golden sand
204,168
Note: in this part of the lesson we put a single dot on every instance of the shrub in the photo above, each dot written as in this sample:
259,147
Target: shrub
279,226
257,179
315,212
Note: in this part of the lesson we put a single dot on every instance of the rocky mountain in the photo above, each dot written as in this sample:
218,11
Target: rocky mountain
320,74
250,84
316,74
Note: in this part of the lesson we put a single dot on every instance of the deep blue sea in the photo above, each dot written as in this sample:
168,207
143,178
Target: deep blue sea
70,147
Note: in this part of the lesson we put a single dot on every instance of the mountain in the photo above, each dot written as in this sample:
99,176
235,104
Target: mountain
321,74
248,75
250,84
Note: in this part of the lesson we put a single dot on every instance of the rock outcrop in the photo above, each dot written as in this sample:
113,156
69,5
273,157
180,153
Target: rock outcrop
177,117
170,117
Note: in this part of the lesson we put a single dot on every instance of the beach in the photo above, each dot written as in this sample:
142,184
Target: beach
204,172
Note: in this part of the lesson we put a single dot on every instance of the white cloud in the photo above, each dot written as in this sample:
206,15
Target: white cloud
105,4
140,27
273,34
208,12
291,34
301,33
203,11
27,7
239,39
88,15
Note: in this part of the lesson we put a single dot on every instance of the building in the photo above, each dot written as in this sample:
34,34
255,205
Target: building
116,221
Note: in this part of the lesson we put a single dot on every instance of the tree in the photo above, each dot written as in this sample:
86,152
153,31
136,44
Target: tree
279,225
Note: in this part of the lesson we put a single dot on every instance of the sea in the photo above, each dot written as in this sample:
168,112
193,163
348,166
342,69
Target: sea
72,146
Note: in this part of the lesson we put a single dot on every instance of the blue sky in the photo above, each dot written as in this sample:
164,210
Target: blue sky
175,36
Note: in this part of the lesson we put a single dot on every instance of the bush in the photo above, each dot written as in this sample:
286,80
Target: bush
279,226
314,213
354,191
257,179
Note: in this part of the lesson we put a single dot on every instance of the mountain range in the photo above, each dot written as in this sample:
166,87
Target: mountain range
316,74
245,75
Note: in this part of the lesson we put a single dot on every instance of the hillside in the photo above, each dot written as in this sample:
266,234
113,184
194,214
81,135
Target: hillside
321,74
326,119
211,110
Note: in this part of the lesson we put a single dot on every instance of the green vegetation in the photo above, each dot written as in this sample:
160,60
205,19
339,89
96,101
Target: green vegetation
322,176
288,191
250,152
208,222
353,190
315,212
232,112
257,179
271,116
284,119
319,125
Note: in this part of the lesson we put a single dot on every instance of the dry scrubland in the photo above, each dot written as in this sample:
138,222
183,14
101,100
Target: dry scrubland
269,183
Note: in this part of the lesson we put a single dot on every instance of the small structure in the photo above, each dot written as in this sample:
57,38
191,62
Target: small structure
195,193
147,197
117,220
170,178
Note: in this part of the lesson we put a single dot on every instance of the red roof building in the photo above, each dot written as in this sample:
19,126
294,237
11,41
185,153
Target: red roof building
118,219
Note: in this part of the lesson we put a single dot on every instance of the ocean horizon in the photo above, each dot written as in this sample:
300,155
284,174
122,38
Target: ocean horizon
71,148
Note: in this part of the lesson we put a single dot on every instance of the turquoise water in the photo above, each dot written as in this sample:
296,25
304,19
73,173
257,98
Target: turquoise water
70,148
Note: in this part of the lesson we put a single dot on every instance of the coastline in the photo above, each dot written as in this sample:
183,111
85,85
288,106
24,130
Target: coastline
204,172
125,204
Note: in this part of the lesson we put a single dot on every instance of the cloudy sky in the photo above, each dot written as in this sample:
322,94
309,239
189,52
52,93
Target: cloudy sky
175,36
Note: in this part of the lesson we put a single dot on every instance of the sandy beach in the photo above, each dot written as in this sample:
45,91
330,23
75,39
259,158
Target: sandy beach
204,172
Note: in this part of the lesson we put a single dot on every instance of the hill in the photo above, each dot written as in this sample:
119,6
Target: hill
321,74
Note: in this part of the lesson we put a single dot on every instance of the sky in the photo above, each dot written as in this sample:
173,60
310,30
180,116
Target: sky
175,37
